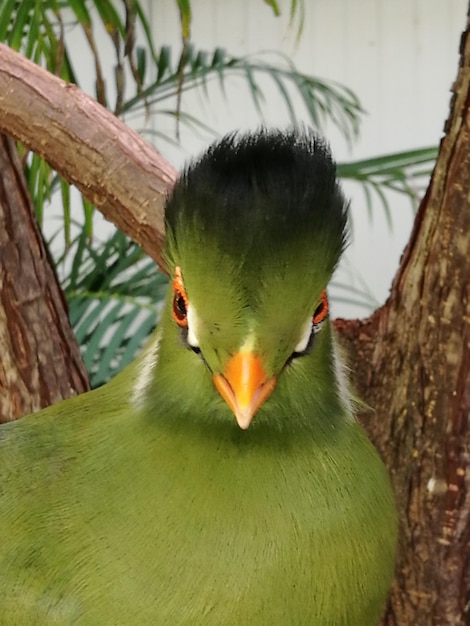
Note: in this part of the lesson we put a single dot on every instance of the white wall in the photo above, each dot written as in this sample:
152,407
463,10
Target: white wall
399,56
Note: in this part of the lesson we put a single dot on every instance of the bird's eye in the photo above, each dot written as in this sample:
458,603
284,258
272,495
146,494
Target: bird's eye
322,309
305,344
180,300
179,309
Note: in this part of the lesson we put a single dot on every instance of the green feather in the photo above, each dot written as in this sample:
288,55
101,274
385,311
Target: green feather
143,502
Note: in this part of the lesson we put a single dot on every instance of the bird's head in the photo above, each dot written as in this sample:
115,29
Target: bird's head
255,228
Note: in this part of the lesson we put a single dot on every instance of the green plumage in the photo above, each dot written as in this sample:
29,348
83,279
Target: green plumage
143,502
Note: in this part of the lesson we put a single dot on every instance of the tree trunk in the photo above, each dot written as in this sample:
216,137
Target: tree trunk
40,361
412,364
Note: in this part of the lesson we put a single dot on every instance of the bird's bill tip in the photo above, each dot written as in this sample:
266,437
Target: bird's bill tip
244,418
244,386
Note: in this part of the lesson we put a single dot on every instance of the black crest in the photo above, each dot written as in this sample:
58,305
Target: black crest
258,191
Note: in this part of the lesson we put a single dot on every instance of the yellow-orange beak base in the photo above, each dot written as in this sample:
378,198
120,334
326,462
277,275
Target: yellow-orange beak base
244,386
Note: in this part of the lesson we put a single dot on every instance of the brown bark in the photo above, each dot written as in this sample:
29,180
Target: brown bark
412,364
40,361
114,168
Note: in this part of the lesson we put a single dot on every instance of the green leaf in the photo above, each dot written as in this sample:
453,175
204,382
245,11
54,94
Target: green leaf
400,172
89,321
114,293
141,63
65,193
146,28
77,264
109,17
100,329
81,12
185,17
7,19
113,347
20,24
163,65
274,6
77,307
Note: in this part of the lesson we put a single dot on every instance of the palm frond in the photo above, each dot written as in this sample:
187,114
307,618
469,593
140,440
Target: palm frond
403,172
349,293
323,100
114,293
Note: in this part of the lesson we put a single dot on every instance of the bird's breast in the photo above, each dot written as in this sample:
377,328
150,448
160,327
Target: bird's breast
245,531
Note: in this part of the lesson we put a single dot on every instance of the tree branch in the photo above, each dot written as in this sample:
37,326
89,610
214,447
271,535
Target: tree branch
114,168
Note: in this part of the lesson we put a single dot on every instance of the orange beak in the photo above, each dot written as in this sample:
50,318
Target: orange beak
244,386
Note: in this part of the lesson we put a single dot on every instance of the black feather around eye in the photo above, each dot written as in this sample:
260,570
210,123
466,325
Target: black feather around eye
183,336
180,305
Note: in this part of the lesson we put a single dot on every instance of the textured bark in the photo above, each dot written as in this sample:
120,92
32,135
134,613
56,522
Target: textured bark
412,364
114,168
40,361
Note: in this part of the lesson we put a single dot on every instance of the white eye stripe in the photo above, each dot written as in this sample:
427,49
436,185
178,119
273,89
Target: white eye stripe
305,338
147,364
192,326
305,342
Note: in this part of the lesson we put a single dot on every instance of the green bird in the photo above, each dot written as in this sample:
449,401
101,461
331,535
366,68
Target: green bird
221,479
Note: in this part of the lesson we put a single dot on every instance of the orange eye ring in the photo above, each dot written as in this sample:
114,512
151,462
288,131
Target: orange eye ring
179,310
322,309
